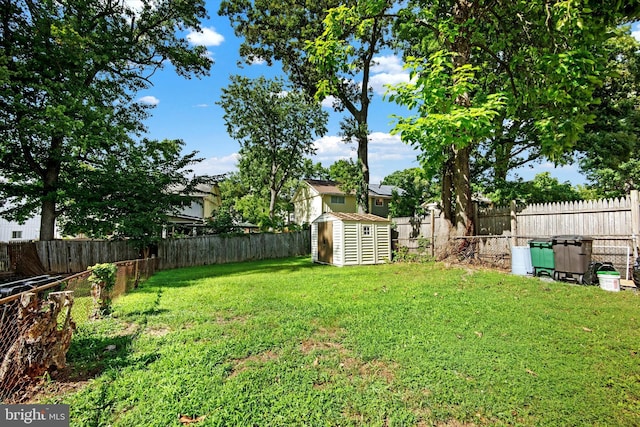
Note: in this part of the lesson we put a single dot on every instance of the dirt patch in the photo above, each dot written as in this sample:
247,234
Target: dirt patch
221,320
130,329
311,345
158,331
253,361
59,382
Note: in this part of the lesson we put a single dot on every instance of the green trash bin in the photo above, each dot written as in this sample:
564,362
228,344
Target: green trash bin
542,257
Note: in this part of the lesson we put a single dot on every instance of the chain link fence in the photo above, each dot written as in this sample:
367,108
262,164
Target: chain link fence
495,251
36,325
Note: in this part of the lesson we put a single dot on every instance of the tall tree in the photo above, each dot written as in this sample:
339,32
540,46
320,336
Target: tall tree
71,73
284,31
610,148
276,127
476,64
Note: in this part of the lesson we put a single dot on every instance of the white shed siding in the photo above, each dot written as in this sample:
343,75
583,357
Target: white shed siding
383,242
351,246
367,245
338,243
314,242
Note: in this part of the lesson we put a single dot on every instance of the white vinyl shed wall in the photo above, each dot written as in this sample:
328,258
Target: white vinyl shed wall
350,239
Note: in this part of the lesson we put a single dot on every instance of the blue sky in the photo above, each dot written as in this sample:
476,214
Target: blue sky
186,109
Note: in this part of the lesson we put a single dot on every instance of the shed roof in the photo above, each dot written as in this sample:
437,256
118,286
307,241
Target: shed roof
345,216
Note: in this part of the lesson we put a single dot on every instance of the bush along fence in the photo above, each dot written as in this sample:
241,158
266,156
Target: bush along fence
36,326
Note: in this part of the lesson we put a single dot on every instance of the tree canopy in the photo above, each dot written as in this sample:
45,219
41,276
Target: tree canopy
70,74
276,126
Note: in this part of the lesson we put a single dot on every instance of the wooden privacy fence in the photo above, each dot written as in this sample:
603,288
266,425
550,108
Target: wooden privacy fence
73,256
217,249
597,218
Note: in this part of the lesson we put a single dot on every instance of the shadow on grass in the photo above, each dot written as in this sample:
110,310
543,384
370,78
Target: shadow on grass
184,277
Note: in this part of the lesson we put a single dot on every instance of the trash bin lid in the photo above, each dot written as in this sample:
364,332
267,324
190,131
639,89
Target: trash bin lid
571,238
541,240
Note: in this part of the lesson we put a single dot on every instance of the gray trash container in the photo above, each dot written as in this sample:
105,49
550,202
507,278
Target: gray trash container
572,256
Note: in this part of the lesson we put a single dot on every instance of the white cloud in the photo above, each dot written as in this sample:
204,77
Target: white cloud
387,70
135,5
330,149
387,153
385,147
380,81
205,37
202,106
257,61
217,165
636,34
387,64
149,100
328,102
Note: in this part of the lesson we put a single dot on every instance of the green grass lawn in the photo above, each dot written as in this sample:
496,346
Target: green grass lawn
285,342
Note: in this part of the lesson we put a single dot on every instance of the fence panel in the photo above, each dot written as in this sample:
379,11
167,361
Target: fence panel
216,249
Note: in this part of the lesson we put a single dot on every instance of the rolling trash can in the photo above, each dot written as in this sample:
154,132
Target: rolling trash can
572,256
542,258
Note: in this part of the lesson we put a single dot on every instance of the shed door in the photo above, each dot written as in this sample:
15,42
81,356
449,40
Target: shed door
325,242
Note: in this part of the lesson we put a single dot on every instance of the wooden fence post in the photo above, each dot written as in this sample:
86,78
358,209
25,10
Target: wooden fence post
514,224
635,221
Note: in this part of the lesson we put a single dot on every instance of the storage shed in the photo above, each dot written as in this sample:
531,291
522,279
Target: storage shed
340,238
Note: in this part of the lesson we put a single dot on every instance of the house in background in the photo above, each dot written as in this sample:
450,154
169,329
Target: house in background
206,199
315,197
11,231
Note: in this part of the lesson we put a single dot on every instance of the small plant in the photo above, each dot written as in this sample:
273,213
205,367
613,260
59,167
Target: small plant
103,280
419,254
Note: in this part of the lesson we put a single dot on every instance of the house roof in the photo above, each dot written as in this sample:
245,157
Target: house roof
324,187
383,190
199,190
345,216
332,187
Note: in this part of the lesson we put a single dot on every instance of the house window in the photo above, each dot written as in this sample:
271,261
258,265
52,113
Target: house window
16,234
379,202
337,200
366,230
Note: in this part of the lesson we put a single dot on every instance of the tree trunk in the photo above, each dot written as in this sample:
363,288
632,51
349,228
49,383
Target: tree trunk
48,220
363,157
49,191
462,187
447,190
272,203
463,12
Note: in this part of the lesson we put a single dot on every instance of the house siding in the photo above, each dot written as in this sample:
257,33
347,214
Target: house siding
348,206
